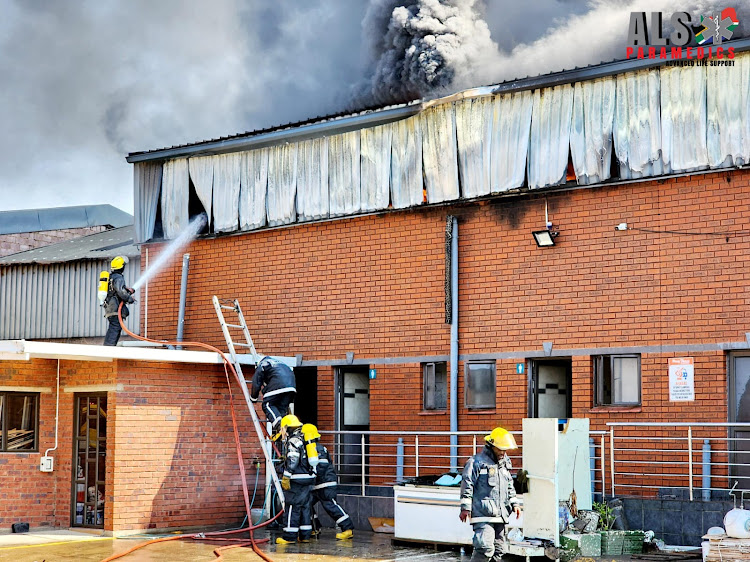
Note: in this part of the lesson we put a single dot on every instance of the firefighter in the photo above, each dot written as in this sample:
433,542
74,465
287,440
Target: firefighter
276,380
116,292
297,481
488,496
324,490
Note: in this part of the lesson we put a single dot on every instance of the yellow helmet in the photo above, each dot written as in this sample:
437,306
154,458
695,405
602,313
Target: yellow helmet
118,263
290,420
310,432
501,438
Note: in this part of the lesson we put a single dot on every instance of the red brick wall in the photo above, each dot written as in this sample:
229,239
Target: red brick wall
26,494
13,243
374,286
171,458
176,462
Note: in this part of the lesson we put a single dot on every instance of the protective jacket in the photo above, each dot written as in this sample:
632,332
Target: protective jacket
326,478
487,488
273,378
116,293
296,467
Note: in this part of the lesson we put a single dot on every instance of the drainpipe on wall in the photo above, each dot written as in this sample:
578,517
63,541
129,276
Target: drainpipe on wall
454,345
183,297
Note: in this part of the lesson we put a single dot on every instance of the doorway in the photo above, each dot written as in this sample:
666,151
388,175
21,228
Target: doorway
353,414
306,400
549,389
89,460
739,412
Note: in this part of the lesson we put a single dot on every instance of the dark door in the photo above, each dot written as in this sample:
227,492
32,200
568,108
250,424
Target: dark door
353,415
739,411
306,401
550,389
89,460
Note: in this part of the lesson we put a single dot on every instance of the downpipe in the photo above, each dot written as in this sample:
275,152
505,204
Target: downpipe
454,345
183,298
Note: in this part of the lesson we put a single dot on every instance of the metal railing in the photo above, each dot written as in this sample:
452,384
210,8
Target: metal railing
368,459
687,458
640,459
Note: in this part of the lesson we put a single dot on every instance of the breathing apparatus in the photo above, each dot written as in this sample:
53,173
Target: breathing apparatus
103,290
311,436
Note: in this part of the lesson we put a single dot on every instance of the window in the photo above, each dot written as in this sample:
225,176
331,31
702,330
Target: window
18,421
435,384
617,380
480,385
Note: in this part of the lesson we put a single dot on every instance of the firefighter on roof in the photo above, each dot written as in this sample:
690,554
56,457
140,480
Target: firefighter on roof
116,292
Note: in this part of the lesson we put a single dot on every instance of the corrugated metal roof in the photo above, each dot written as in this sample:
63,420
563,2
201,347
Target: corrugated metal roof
56,218
58,300
373,114
99,246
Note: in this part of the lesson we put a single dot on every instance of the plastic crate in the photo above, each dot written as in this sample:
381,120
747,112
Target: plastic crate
615,543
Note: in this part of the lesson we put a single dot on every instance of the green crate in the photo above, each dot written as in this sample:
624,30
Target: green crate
616,543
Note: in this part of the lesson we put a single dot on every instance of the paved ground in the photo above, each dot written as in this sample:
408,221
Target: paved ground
81,547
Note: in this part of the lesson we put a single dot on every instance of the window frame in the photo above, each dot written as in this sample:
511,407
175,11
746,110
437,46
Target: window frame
467,370
598,365
425,367
4,421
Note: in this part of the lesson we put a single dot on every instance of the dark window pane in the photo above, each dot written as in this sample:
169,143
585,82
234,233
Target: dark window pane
441,386
21,416
480,385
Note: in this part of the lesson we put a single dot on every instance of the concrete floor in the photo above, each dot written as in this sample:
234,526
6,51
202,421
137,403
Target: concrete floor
81,547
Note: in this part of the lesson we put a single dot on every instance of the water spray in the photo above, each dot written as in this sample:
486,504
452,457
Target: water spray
184,238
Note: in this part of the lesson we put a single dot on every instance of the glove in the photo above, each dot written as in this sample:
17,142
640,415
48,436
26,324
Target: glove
129,290
286,483
517,510
464,515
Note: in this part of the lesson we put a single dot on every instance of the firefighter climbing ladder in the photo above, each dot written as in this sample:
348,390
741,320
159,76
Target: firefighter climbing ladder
242,382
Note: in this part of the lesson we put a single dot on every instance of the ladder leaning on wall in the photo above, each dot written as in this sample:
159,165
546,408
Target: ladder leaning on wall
231,344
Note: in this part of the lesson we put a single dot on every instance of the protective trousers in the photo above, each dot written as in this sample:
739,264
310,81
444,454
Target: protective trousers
276,407
298,512
489,542
333,509
113,331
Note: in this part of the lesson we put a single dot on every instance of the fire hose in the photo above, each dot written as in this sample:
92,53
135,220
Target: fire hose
253,542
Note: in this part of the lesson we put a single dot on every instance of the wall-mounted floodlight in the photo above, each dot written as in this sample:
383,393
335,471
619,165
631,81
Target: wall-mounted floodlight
544,238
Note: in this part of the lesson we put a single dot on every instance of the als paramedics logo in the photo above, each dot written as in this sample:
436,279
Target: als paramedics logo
716,29
646,38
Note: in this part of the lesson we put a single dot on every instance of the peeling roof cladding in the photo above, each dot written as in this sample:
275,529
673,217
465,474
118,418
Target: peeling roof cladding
370,117
654,120
99,246
57,218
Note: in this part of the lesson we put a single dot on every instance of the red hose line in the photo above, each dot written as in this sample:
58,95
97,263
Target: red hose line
246,495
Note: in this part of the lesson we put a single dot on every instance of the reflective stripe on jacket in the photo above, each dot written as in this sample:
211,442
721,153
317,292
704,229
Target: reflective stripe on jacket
272,377
487,488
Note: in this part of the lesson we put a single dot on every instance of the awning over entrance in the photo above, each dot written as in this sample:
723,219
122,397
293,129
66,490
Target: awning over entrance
24,350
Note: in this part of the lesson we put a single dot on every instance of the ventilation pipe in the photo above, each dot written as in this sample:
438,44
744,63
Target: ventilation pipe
453,225
183,298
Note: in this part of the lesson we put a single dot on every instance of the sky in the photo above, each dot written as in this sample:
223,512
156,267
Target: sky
86,82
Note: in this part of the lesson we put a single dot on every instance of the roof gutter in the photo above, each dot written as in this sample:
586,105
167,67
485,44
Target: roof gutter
293,134
607,69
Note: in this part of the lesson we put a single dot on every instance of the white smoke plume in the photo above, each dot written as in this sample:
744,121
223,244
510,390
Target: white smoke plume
429,48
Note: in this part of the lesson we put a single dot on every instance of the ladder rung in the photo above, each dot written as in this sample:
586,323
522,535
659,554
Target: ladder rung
224,306
238,326
242,344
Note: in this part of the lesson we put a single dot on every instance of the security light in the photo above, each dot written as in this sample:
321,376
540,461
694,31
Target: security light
544,238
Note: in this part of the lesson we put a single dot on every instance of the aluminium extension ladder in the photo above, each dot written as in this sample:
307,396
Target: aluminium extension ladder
270,470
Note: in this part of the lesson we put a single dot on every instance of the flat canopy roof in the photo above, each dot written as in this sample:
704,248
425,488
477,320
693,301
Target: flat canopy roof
24,350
